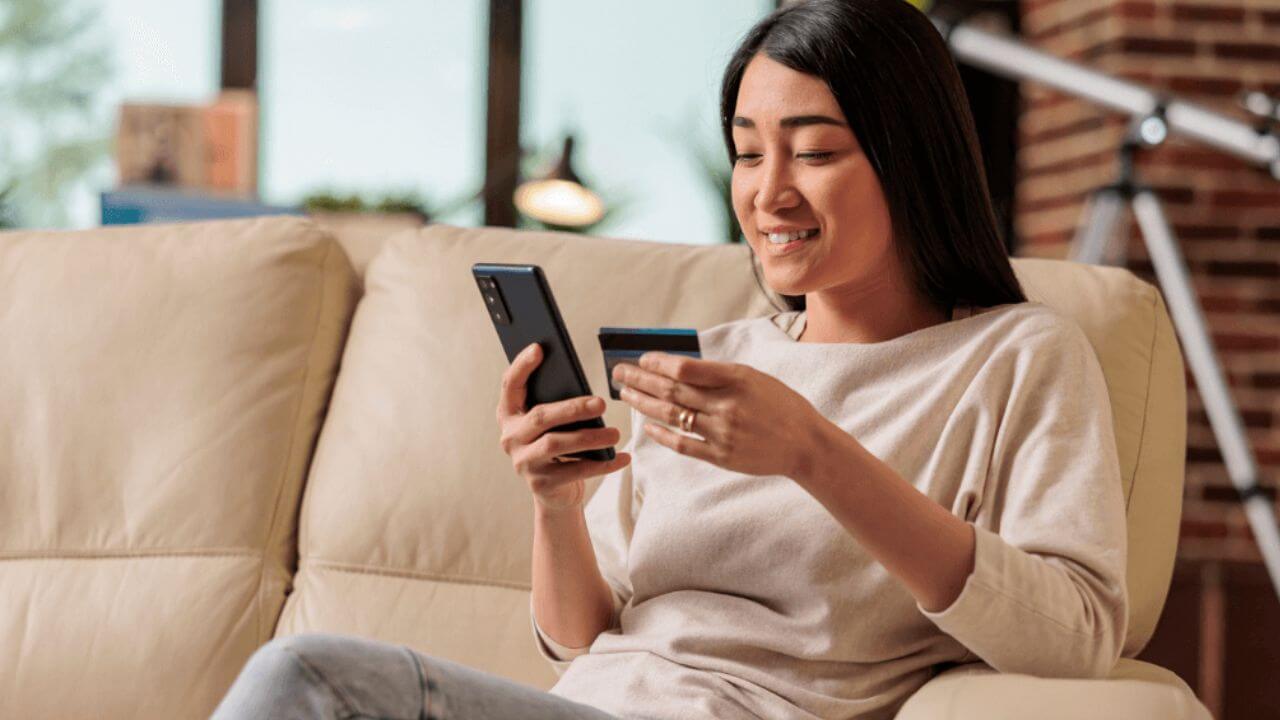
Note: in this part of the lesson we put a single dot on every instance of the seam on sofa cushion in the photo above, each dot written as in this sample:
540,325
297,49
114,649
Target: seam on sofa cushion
263,635
122,554
1146,406
411,574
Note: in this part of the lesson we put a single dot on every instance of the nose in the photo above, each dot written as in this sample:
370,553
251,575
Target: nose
777,190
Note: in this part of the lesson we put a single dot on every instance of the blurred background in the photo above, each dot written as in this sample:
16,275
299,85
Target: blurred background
600,116
343,105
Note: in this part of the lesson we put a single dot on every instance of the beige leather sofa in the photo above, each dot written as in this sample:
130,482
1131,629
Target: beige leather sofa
215,433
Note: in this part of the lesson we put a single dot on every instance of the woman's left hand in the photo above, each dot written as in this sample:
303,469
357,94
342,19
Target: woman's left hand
753,423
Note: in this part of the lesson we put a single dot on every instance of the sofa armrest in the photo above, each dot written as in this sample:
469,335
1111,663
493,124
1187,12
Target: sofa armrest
1135,689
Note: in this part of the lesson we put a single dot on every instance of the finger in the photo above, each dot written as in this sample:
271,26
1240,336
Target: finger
663,388
666,412
683,444
545,416
554,444
515,378
559,473
690,370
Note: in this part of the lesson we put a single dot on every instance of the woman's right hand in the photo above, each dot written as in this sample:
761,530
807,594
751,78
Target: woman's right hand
555,485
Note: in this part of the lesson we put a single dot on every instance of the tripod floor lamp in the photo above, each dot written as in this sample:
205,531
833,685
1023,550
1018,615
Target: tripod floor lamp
1154,117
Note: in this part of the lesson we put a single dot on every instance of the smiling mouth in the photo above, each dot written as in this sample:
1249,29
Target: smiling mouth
784,238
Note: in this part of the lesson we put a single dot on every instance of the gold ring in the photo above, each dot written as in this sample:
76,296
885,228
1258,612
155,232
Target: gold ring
687,417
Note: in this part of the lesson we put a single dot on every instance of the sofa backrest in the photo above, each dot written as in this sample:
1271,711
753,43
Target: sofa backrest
415,528
161,388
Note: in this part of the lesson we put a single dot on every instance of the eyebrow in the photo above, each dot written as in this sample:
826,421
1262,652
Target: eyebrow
792,122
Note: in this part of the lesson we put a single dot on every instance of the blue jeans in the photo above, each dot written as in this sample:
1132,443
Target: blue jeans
348,678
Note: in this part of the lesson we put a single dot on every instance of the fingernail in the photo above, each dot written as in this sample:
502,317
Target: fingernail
595,403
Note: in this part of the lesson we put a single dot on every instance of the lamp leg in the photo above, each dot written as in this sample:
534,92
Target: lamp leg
1224,418
1097,227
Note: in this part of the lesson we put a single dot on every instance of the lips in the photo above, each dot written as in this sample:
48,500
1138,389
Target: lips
776,249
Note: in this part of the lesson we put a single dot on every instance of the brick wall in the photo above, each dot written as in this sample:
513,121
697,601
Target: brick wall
1225,213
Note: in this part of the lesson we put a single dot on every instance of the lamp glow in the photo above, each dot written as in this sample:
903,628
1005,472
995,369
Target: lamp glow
559,197
559,202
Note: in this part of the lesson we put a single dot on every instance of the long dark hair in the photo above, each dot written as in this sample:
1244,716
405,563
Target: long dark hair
900,91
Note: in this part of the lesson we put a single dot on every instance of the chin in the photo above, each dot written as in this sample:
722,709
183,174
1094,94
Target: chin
784,276
784,287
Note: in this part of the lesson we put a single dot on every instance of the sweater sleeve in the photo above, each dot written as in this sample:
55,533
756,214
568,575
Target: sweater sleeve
611,515
1047,594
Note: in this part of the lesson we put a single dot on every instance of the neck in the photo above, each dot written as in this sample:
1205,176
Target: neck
867,317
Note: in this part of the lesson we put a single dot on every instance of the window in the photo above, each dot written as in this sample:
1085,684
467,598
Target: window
373,99
638,85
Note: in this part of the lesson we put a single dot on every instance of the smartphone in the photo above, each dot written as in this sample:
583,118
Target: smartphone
518,300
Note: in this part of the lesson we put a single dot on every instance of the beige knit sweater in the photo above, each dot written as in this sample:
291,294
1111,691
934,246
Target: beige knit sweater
740,596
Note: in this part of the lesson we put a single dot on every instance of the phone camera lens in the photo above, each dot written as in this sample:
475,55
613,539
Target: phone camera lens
490,299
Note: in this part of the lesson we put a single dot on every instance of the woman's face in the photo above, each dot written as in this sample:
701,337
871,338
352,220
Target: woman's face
800,169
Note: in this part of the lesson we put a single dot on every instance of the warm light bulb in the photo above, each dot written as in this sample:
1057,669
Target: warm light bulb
559,202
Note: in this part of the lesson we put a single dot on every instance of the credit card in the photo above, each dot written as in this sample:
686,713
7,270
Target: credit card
626,345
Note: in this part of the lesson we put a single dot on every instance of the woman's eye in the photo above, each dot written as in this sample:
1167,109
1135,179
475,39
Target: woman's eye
816,156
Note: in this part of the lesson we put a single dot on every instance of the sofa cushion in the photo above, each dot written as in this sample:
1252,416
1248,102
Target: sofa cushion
1134,689
160,391
414,526
362,235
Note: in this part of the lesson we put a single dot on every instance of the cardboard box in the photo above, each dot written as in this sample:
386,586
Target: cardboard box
161,145
203,147
231,143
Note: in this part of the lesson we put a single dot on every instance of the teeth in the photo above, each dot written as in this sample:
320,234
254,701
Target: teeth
783,238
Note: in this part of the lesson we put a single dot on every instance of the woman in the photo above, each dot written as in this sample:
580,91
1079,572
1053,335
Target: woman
909,467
